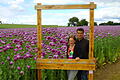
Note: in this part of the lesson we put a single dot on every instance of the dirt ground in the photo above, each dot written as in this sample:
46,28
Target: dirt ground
108,72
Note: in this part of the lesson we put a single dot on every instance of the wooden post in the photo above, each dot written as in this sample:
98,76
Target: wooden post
39,38
91,39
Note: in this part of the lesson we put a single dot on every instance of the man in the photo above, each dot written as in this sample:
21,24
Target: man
82,50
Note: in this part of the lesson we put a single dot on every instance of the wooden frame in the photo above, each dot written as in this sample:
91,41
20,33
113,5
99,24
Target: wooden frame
83,64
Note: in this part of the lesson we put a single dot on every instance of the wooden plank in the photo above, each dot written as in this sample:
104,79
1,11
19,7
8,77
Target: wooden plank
66,60
84,6
66,64
90,75
91,35
39,38
91,40
39,32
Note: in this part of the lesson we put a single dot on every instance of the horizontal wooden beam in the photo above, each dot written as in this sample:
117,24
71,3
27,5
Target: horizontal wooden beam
83,6
66,64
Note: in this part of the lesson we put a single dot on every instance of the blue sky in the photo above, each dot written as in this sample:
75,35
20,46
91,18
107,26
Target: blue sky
23,12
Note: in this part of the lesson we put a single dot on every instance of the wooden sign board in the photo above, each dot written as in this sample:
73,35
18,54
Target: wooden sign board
66,64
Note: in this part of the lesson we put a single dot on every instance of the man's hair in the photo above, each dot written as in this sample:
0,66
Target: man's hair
80,29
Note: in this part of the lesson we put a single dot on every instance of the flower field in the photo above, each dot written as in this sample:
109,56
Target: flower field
18,49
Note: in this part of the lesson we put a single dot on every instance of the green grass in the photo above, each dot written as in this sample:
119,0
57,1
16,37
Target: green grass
3,26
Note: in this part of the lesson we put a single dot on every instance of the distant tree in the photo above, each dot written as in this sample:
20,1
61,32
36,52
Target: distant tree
68,24
79,24
95,23
116,24
83,22
73,21
0,22
110,23
102,24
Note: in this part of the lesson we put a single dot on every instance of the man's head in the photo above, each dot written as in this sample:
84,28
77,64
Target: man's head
80,33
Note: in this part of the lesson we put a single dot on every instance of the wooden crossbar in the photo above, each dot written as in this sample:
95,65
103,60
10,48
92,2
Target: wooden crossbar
66,64
45,7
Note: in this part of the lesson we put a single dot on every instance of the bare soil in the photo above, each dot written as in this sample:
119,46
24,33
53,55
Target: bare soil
108,72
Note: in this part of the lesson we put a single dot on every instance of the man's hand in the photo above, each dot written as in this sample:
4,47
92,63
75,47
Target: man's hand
77,58
94,60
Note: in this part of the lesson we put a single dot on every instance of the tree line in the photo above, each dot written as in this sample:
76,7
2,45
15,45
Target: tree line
0,22
109,23
74,21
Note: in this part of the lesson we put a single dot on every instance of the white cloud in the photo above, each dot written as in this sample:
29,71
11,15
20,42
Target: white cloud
5,1
57,1
107,14
26,19
5,10
16,2
106,10
62,18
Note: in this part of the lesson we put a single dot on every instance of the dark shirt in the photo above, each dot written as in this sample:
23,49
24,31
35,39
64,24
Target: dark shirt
81,49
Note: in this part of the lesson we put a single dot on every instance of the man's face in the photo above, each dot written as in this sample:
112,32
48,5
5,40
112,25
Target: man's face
80,34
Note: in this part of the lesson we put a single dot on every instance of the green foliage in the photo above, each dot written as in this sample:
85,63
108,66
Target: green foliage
83,22
0,22
73,21
109,23
107,49
9,71
95,23
3,26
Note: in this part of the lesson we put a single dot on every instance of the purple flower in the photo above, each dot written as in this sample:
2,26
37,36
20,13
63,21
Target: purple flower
18,46
15,49
55,56
21,73
53,50
43,53
50,57
35,58
8,46
52,44
1,47
11,62
18,56
18,68
15,40
15,59
8,58
5,49
58,52
28,46
54,40
62,41
48,37
11,47
1,51
33,42
28,66
2,62
28,55
2,42
48,48
61,56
